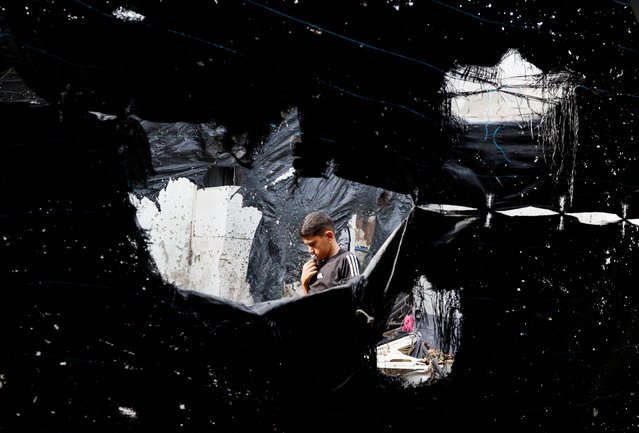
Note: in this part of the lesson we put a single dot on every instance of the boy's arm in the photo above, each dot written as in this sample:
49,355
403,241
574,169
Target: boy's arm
349,268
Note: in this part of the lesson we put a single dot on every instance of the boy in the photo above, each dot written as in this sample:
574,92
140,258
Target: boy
329,264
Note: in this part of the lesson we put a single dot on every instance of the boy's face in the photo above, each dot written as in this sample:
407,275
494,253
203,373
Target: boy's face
319,245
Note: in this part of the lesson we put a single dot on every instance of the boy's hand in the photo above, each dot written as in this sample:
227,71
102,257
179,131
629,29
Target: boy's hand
308,271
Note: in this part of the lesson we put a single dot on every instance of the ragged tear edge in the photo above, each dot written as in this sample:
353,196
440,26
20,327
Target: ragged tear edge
591,218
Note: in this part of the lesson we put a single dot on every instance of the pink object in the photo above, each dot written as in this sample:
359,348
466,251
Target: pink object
409,323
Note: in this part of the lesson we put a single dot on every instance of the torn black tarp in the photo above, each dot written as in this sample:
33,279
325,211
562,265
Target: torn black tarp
94,339
191,150
242,64
366,78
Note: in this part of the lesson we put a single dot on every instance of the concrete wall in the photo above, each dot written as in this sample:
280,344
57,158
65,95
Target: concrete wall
200,239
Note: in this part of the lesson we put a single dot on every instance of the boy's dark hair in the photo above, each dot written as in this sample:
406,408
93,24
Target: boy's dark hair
316,224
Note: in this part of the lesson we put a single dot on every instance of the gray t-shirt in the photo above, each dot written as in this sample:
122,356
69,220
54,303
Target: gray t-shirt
335,271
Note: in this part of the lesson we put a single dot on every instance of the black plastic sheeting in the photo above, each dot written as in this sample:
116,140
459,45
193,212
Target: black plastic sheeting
277,253
93,340
196,152
363,75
